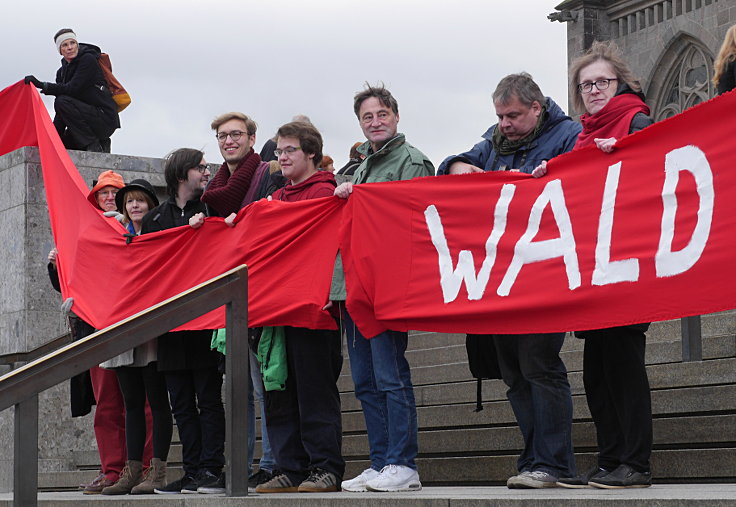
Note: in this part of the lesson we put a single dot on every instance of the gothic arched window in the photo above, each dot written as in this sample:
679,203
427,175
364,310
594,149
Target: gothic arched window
687,80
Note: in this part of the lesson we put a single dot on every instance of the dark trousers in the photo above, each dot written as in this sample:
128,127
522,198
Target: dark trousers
138,384
617,389
304,421
196,402
80,124
540,396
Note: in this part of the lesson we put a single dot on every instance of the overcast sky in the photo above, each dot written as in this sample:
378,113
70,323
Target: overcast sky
185,61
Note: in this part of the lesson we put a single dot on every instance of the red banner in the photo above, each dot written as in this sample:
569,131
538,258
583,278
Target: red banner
642,234
289,247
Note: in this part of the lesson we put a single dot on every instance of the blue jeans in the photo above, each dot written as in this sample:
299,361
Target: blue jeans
383,385
267,461
540,397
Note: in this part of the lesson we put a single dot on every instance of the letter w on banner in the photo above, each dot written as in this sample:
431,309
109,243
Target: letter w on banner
642,234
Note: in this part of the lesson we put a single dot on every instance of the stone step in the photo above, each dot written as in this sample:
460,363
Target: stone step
660,352
682,432
702,401
659,495
667,375
713,324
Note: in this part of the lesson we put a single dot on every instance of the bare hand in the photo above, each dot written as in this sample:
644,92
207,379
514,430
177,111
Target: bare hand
463,168
230,220
196,221
52,256
344,190
540,170
605,145
327,306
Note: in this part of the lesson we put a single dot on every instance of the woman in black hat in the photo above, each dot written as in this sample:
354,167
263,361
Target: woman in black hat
135,200
139,378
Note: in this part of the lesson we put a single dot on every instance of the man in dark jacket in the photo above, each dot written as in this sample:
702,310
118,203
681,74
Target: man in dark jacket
192,370
86,114
531,129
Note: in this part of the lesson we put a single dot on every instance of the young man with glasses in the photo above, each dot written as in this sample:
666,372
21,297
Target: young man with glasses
303,419
240,180
531,129
379,367
191,368
236,135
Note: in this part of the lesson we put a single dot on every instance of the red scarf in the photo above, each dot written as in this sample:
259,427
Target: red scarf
614,120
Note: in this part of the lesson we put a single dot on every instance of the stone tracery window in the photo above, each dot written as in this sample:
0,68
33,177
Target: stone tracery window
688,83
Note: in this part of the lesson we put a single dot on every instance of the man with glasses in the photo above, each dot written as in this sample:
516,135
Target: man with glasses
378,366
304,421
236,135
240,180
531,129
191,368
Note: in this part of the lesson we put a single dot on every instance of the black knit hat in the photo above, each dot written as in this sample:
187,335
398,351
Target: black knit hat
138,184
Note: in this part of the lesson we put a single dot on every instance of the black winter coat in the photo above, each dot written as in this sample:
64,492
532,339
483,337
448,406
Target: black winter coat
83,80
182,350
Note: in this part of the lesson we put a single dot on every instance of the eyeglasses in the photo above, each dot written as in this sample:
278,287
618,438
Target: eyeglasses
201,168
235,135
601,84
288,150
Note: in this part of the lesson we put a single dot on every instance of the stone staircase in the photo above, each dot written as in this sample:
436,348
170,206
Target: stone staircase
694,407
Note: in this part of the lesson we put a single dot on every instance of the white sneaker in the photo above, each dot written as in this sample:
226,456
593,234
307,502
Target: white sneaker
357,484
395,478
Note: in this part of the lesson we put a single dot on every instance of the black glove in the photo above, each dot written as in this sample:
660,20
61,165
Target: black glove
36,82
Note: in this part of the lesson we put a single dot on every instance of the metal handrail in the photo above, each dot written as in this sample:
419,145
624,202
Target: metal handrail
21,386
41,350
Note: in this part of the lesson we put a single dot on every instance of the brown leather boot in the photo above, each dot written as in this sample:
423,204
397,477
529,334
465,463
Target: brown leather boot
155,478
129,478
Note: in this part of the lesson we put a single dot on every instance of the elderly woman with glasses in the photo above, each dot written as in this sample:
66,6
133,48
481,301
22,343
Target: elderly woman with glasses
614,373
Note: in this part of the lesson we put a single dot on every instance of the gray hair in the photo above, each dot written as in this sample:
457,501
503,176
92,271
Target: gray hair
521,86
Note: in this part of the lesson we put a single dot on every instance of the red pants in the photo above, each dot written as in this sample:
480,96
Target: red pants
109,423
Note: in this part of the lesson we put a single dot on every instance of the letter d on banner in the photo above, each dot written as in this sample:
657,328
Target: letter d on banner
693,160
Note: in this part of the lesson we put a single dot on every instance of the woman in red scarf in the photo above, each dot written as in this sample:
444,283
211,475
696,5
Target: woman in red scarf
614,373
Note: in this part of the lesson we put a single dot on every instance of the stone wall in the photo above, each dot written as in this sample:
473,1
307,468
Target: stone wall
29,307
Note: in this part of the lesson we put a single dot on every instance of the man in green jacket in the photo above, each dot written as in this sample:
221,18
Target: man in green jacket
379,368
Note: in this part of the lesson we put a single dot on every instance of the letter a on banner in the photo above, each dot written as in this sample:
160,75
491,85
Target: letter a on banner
528,251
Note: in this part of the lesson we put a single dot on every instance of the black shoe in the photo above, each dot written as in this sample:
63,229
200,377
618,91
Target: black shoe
623,477
581,481
203,477
176,487
212,484
259,477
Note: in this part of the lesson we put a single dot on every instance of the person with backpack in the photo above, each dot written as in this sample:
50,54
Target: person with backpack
86,114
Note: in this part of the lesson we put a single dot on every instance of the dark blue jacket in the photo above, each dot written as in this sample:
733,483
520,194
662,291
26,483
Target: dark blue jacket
558,136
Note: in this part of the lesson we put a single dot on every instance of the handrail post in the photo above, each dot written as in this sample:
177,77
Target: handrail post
692,341
25,450
237,375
